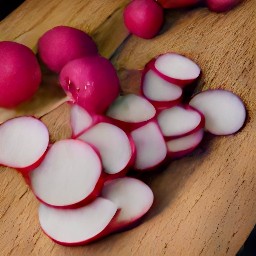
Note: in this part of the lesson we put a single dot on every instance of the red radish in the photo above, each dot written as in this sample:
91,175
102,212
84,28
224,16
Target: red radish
77,226
180,121
62,44
150,146
223,110
115,147
91,82
133,197
177,3
20,74
23,142
143,18
131,111
222,5
175,68
159,92
69,176
184,145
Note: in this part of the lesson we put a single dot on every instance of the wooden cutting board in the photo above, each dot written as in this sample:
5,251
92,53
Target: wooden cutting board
205,203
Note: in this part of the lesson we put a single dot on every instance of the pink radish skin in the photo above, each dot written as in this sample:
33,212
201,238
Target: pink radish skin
132,197
143,18
91,82
69,176
32,138
222,5
73,227
180,121
224,111
61,44
20,74
177,3
175,68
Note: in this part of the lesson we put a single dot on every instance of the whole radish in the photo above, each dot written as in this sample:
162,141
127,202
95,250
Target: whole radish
62,44
20,74
177,3
221,5
143,18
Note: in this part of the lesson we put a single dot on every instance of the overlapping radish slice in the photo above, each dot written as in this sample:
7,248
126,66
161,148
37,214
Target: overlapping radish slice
69,176
23,142
77,226
179,121
223,110
160,92
150,146
115,147
131,111
133,197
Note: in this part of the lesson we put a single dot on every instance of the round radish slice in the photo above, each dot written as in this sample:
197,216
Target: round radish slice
68,176
113,145
77,226
223,110
179,121
23,142
133,197
150,146
160,92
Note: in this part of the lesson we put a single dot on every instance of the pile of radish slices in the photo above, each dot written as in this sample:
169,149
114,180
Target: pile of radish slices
81,182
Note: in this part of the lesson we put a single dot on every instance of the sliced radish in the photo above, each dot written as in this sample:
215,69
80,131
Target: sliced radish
131,111
69,176
160,92
184,145
175,68
223,110
179,121
115,147
133,197
23,142
150,146
77,226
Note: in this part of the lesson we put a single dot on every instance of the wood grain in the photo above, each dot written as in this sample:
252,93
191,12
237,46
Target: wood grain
205,203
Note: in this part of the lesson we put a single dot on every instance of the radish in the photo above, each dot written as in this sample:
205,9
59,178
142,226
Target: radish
20,74
143,18
131,111
69,176
222,5
150,146
62,44
160,92
177,3
77,226
179,121
91,82
223,110
115,147
184,145
175,68
23,143
133,197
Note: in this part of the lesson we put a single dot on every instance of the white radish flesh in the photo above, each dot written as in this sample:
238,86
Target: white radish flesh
113,145
68,175
23,141
133,197
150,146
223,110
77,226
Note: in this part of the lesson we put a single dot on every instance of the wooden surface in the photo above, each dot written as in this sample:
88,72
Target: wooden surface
206,202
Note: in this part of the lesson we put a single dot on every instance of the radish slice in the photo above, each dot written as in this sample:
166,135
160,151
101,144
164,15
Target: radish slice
179,121
23,142
77,226
223,110
159,91
133,197
184,145
150,146
113,144
68,176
